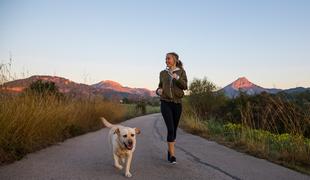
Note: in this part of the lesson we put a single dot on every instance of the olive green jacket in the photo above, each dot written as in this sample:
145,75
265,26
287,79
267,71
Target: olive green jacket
172,87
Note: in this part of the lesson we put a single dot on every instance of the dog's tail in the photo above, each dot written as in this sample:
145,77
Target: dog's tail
106,123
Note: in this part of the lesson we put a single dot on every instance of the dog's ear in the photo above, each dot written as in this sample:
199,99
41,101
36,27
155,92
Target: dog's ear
117,131
137,130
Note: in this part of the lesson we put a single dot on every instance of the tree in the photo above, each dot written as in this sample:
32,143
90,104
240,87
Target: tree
204,98
43,88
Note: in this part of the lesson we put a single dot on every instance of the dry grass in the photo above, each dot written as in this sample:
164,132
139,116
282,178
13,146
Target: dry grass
275,115
191,122
30,122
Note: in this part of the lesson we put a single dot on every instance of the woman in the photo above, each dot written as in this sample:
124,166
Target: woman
172,82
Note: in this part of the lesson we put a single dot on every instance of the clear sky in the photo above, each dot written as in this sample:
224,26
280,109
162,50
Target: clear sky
267,41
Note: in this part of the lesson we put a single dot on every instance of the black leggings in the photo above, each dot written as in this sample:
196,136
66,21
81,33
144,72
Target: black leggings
171,113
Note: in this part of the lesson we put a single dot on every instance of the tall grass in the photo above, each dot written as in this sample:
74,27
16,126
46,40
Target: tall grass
30,122
275,114
288,149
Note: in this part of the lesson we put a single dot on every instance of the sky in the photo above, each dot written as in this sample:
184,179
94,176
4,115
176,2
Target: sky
267,41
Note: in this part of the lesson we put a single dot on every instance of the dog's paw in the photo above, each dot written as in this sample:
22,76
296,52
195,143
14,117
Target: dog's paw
128,174
120,167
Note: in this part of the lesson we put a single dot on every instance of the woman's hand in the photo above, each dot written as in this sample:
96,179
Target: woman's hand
175,76
160,91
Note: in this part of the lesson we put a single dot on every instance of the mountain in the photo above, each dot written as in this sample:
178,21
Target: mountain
108,88
113,89
244,85
64,85
112,85
296,90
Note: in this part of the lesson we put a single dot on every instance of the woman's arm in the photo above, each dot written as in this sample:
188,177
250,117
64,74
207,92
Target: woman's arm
160,86
181,81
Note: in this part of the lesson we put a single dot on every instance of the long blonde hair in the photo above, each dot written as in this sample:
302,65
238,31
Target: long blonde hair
175,56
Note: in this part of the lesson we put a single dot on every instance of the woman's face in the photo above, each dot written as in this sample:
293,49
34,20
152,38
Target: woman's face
169,60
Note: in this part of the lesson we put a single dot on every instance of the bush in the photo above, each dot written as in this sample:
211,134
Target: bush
205,100
43,87
141,107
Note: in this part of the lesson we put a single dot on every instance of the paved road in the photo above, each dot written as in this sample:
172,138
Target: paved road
88,157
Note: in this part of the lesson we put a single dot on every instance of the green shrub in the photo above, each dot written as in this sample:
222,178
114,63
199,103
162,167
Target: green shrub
204,98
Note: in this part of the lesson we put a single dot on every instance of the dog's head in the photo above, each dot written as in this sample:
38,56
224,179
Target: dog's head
127,136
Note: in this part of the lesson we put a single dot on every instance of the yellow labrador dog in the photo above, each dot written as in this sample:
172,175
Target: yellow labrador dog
123,142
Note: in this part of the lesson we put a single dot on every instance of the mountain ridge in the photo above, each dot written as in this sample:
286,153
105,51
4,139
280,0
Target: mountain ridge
106,88
114,90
